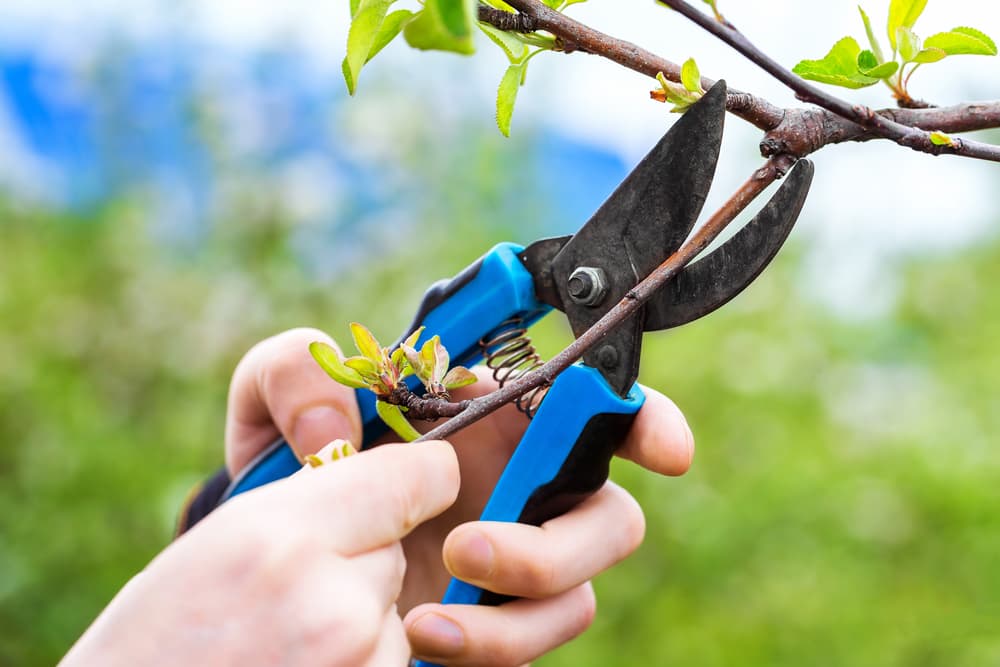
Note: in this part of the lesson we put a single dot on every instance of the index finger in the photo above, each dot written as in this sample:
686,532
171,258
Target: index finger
279,389
660,438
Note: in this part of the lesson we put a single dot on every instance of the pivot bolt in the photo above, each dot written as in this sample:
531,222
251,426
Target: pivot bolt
587,286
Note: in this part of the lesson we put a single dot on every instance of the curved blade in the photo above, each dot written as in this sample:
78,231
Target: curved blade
673,189
642,223
712,281
654,209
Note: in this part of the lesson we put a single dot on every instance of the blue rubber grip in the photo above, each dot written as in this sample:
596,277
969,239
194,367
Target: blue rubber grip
463,310
562,459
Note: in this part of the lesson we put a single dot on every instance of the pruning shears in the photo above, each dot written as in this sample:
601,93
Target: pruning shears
484,312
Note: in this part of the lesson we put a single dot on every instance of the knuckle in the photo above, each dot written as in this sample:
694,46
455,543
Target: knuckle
397,568
275,558
586,608
633,525
538,576
504,652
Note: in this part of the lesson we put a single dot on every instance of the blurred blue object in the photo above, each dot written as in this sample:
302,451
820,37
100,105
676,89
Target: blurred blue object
171,121
54,123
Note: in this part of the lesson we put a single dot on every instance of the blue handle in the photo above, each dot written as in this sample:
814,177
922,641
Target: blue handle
562,458
463,310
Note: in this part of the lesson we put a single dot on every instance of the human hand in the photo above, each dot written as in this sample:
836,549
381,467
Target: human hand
305,571
278,389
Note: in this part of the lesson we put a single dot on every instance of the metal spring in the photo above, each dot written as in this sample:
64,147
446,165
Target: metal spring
508,352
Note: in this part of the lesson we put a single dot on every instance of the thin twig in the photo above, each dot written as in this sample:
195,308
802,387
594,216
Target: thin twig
883,126
575,36
797,131
480,407
498,18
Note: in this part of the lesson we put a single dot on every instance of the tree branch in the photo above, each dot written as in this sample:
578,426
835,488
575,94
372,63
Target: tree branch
879,124
798,131
575,36
502,20
546,374
803,131
790,134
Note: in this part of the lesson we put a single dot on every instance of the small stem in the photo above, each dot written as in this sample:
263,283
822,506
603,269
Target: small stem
480,407
426,408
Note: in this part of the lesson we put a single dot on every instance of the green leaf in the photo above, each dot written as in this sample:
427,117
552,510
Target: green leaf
941,139
416,363
515,49
839,67
434,357
457,16
963,40
345,67
366,367
428,31
398,358
978,34
867,60
329,360
868,65
354,7
554,4
361,36
883,71
391,26
876,47
929,55
365,342
681,97
507,95
393,417
412,339
903,14
458,376
427,359
908,44
690,76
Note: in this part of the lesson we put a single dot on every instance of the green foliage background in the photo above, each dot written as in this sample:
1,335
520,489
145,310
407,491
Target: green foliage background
844,506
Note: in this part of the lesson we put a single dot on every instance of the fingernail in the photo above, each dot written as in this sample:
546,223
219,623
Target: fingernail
436,636
690,443
317,426
470,556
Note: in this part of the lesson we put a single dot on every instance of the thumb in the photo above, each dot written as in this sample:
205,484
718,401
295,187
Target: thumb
369,501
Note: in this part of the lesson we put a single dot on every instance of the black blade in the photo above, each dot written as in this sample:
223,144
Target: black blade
537,258
672,192
712,281
644,221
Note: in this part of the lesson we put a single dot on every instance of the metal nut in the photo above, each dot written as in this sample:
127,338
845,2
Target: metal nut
587,286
